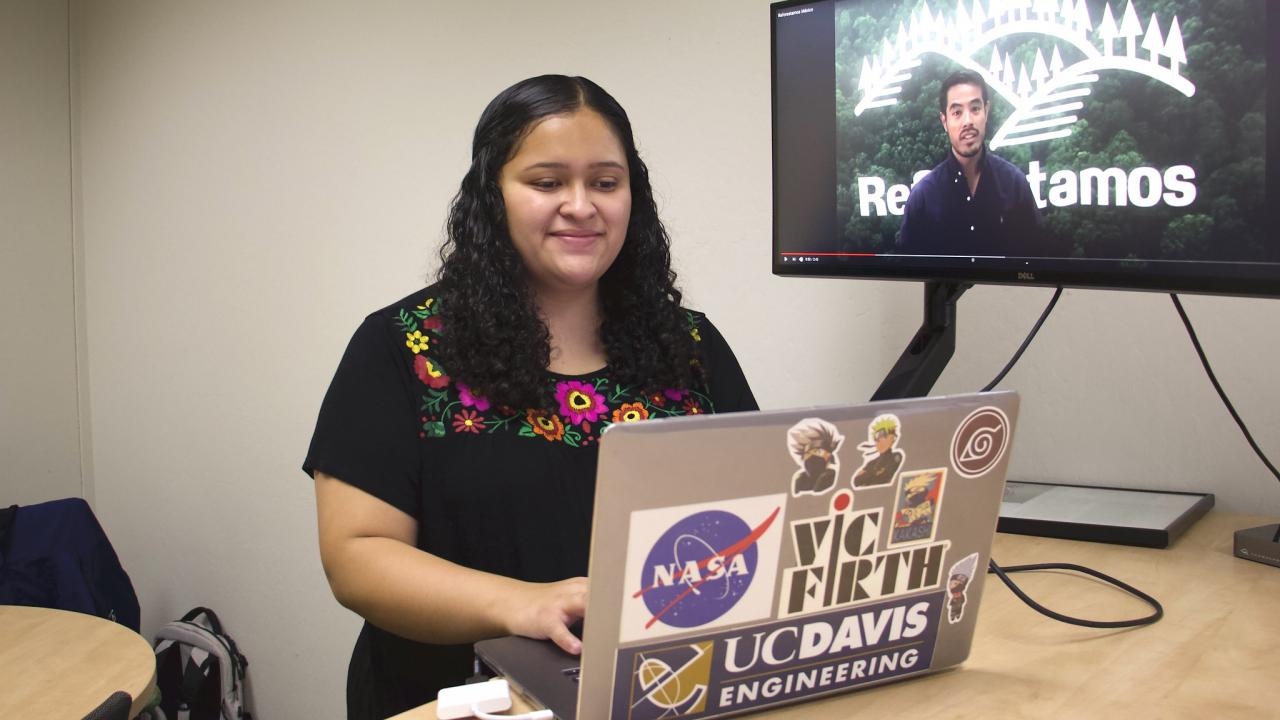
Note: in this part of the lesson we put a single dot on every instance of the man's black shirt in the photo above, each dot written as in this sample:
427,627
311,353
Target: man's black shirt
1000,219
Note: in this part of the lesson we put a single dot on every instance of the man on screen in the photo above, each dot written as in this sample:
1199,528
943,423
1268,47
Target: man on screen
974,202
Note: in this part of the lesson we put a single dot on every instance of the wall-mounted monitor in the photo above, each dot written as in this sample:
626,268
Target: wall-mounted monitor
1101,143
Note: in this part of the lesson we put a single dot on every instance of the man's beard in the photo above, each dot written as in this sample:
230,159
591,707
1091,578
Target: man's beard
977,149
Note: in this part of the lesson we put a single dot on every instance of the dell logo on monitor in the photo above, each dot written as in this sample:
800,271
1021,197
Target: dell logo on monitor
1026,276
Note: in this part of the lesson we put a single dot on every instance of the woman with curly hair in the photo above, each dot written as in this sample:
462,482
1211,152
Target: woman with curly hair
454,457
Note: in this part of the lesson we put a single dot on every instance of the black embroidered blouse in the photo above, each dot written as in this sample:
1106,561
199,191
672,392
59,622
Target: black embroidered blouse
503,490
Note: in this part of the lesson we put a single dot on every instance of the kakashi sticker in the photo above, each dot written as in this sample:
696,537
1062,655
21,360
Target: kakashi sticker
915,516
813,443
958,586
881,457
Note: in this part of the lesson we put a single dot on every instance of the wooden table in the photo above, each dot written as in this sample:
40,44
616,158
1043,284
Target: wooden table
1212,656
60,664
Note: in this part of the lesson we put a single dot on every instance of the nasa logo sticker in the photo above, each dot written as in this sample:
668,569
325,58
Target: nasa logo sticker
980,441
701,566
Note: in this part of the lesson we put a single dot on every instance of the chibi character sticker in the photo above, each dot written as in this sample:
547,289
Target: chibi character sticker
813,443
916,513
880,456
958,585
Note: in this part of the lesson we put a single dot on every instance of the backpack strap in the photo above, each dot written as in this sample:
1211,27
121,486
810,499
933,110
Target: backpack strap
211,618
194,676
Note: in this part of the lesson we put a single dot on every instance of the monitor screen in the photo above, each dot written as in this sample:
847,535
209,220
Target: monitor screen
1104,143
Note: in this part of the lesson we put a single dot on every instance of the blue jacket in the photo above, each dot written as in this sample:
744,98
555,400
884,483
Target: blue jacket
56,555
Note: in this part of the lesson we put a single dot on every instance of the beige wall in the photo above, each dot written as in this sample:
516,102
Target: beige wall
39,422
257,176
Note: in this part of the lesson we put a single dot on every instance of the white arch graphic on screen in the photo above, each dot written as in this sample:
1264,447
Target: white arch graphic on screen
1046,96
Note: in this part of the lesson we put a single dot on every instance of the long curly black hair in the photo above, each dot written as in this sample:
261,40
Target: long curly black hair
493,337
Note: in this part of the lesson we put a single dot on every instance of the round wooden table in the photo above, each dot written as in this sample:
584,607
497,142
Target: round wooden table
60,664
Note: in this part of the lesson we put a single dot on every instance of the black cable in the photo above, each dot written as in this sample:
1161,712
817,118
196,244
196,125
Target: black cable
1136,622
1213,379
1204,360
1013,360
1002,573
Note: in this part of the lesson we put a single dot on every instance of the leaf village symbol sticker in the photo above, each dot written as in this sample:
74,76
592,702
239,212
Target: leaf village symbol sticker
980,441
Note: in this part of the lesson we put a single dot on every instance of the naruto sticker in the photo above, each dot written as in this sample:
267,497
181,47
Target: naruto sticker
915,512
958,585
813,443
881,457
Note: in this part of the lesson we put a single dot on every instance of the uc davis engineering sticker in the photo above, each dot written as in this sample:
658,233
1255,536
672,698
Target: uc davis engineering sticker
701,566
756,667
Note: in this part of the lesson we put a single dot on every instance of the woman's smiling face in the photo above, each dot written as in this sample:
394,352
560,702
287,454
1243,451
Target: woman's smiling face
567,194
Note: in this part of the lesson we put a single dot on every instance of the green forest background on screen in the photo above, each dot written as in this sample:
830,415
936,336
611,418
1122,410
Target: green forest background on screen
1128,121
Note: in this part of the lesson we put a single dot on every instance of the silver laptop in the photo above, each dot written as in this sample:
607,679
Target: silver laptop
751,560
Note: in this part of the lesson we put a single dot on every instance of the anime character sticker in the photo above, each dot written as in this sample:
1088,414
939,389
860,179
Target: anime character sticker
813,443
880,456
915,516
958,585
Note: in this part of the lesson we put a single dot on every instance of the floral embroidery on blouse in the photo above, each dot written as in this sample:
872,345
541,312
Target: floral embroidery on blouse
582,407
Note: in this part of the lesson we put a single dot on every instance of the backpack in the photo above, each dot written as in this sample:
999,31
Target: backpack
199,671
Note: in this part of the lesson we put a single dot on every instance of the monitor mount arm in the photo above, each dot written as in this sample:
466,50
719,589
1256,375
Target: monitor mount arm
920,365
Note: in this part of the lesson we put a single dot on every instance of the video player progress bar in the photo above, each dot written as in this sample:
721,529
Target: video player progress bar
827,254
865,254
